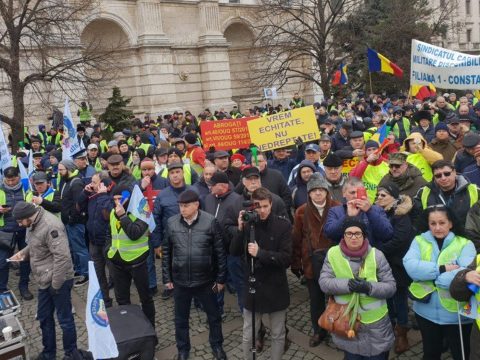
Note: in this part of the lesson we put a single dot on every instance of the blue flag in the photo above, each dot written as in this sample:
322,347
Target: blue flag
5,157
24,176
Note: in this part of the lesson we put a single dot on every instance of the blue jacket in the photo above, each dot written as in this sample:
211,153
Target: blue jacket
472,174
420,270
164,207
98,222
285,166
379,228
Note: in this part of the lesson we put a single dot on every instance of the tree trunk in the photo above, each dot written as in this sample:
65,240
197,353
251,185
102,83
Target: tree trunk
18,118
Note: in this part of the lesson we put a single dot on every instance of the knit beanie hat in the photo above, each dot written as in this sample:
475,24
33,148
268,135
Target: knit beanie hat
69,164
391,188
317,181
24,210
441,126
349,222
191,138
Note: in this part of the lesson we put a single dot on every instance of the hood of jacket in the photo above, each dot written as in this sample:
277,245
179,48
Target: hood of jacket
304,164
413,136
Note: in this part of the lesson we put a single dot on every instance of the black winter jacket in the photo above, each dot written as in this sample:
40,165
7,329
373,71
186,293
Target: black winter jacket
193,255
70,191
274,256
98,223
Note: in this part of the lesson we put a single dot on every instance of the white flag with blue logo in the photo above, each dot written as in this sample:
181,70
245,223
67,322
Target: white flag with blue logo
139,208
24,176
5,157
70,143
101,342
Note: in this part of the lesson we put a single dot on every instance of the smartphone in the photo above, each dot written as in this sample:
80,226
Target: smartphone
361,193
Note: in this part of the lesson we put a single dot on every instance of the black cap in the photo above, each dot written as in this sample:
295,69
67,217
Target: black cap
37,154
332,160
187,196
175,165
251,171
219,178
471,140
23,210
356,134
347,125
191,138
465,118
39,176
220,154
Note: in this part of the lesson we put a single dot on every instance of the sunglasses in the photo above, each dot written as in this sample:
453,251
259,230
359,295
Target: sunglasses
394,166
446,174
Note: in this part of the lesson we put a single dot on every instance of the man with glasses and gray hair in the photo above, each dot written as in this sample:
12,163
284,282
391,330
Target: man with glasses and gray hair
448,189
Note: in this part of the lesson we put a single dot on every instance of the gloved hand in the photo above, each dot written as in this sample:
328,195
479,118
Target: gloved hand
299,142
359,286
52,291
297,272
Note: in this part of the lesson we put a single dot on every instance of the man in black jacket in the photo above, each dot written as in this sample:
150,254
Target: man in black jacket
271,252
74,218
194,265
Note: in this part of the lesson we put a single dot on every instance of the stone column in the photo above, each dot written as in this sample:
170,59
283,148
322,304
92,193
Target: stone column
157,82
213,57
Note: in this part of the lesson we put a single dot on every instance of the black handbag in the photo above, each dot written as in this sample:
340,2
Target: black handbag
6,240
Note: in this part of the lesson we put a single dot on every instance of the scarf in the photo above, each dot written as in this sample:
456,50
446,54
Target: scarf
320,208
12,188
354,253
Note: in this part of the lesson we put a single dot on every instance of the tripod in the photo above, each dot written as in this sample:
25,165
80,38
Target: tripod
251,288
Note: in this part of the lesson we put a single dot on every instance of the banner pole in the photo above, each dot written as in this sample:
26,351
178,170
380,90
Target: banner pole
370,77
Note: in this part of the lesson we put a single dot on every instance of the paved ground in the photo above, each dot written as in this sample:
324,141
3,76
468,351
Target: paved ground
298,322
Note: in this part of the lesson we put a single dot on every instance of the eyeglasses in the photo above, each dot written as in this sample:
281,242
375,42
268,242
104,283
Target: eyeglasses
350,234
439,175
394,166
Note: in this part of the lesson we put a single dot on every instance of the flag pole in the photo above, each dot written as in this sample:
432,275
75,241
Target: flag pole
370,77
460,330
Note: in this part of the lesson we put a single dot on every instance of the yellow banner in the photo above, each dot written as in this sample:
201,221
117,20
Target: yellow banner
282,129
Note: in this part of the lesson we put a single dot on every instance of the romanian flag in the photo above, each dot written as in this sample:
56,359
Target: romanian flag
378,62
421,92
340,77
381,134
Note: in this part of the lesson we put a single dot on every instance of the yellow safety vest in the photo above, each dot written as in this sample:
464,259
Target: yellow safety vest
49,197
136,172
421,289
421,164
85,115
371,309
371,178
103,146
477,294
129,249
3,201
471,188
187,174
197,167
144,147
98,164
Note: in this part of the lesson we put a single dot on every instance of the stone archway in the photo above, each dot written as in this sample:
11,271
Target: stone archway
240,39
108,34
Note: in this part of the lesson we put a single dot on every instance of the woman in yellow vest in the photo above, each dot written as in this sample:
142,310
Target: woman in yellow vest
432,261
465,285
354,266
137,156
420,155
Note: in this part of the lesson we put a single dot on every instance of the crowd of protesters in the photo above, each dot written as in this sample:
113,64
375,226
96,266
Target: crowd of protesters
355,217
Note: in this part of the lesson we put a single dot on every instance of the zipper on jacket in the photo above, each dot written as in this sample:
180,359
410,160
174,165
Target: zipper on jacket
189,244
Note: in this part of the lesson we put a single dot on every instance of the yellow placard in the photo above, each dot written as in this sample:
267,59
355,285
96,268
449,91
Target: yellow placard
282,129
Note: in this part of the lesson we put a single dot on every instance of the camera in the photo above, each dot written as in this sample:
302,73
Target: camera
250,215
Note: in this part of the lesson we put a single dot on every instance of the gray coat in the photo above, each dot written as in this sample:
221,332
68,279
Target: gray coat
48,251
372,339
